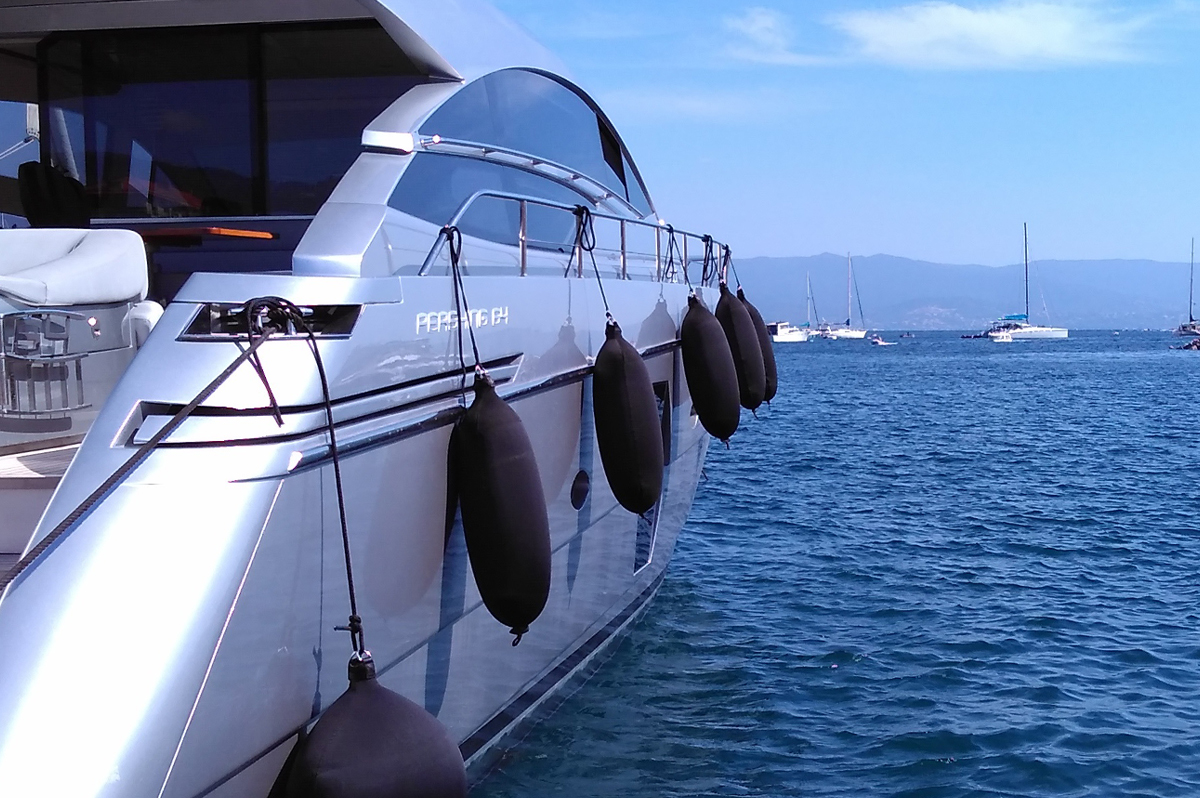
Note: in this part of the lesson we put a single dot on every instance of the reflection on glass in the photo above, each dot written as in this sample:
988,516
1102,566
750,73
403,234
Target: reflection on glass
235,121
435,186
323,86
535,114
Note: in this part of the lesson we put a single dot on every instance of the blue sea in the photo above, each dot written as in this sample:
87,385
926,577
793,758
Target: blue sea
943,568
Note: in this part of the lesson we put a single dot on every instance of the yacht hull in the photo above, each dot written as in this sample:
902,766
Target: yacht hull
1038,333
194,609
792,337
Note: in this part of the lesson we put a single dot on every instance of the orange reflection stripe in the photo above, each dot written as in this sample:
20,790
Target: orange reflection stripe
233,232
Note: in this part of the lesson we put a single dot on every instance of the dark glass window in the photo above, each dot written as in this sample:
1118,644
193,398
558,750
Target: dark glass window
16,147
166,121
323,87
637,193
233,121
535,114
435,186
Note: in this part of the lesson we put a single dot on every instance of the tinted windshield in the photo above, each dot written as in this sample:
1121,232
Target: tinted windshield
531,113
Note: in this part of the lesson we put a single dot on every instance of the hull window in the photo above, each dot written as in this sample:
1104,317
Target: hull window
435,186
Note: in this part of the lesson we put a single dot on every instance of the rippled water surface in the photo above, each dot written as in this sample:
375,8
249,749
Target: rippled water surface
944,568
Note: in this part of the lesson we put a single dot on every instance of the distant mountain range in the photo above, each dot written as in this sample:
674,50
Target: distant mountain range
901,294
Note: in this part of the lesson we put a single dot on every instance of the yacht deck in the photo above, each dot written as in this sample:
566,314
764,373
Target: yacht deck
42,468
27,481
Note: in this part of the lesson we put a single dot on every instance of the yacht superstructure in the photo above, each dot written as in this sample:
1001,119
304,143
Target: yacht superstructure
317,152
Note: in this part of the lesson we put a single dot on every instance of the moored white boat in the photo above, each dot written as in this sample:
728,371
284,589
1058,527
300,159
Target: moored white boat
1017,326
783,332
1017,330
178,638
847,331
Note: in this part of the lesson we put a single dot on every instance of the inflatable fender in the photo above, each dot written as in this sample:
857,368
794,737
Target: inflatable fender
709,370
743,343
372,741
628,426
503,509
766,345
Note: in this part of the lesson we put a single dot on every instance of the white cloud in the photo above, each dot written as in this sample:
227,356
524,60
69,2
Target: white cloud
1008,35
764,36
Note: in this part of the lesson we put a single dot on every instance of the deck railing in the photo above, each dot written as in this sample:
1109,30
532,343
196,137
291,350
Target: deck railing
672,260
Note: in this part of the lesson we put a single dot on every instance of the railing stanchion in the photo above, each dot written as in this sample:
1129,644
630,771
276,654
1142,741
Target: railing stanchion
685,254
523,238
658,254
624,257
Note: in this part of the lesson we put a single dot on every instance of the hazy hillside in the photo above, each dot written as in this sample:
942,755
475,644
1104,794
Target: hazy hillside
898,293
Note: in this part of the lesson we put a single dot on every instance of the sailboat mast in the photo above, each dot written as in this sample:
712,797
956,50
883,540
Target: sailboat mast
849,277
1191,282
808,301
1026,226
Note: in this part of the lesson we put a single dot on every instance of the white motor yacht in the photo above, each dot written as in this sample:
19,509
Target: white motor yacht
401,173
784,332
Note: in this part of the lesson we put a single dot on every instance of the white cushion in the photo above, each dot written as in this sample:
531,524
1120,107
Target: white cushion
72,267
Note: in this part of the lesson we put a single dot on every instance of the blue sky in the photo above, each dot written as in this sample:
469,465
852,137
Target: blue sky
928,130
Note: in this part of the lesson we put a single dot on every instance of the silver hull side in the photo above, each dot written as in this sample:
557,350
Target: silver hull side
194,610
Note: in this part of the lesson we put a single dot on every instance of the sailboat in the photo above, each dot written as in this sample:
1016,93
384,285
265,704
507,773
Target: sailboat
1017,325
1192,327
848,330
783,332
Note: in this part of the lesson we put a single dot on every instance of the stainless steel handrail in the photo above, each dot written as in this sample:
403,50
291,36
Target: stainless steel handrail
524,201
572,178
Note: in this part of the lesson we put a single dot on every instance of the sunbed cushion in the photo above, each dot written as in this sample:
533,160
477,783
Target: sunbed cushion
72,267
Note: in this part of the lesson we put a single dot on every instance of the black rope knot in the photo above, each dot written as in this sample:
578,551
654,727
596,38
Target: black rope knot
585,228
585,241
709,269
264,316
355,627
675,259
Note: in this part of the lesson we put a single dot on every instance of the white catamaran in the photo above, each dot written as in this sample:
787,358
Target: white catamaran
1017,325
